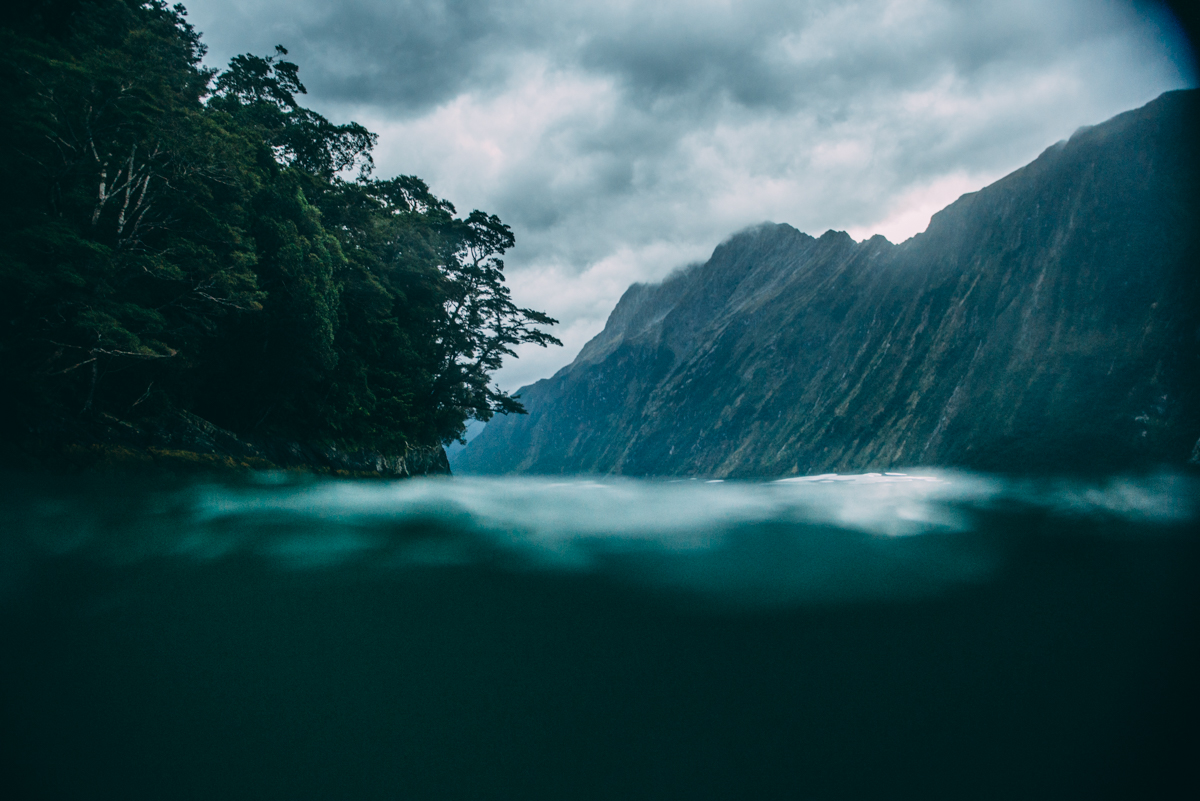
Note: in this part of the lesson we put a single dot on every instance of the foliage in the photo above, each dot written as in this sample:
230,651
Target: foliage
172,237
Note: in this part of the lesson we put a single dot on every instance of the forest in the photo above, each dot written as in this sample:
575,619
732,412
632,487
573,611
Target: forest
175,237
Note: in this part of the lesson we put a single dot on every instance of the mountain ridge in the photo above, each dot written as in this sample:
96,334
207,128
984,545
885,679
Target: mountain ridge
1047,321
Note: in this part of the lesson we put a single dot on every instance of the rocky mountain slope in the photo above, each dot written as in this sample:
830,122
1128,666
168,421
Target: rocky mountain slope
1050,321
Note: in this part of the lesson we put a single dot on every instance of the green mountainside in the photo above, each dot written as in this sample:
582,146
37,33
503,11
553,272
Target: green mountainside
1050,321
190,257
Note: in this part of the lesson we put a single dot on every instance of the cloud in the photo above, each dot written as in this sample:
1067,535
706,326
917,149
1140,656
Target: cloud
621,140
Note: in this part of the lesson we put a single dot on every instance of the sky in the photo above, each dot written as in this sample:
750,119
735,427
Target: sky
623,140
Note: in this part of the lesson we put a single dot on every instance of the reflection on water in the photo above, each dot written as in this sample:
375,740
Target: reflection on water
519,637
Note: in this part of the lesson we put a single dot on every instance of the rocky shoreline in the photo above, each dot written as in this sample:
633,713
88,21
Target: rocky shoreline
179,441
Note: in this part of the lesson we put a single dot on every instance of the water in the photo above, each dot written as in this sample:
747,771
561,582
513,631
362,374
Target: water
934,635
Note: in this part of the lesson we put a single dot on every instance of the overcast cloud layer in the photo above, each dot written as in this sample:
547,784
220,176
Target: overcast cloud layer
622,140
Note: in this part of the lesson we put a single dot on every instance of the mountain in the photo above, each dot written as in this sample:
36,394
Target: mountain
1048,322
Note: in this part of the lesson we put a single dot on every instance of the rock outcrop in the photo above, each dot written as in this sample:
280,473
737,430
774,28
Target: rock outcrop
1050,321
180,441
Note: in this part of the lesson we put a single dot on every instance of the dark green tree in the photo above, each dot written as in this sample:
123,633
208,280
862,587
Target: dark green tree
179,238
126,241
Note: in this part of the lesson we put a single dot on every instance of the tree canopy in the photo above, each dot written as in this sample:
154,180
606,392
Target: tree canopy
176,237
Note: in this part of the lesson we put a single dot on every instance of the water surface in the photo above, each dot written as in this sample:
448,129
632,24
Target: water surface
940,635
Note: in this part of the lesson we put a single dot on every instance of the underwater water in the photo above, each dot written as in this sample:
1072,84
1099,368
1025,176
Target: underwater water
935,635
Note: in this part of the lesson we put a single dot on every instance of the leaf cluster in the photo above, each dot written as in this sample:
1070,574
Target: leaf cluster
174,237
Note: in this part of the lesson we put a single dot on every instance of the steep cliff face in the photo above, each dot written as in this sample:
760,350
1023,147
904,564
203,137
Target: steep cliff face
1050,321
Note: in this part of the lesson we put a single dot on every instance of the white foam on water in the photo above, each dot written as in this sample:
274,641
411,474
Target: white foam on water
826,537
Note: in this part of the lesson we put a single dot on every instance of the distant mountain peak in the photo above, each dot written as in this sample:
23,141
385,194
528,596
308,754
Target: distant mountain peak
1048,321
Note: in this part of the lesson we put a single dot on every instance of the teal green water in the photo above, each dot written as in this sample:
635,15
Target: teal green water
941,635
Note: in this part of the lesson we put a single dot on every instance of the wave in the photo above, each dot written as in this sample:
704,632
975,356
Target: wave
815,539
